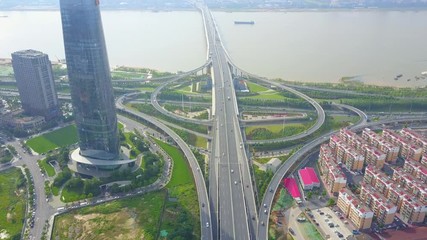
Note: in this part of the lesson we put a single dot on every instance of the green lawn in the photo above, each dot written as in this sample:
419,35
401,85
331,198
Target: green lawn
12,202
6,70
284,201
146,89
181,217
132,218
275,131
71,195
255,88
47,167
309,231
181,174
269,95
201,142
127,75
348,119
52,140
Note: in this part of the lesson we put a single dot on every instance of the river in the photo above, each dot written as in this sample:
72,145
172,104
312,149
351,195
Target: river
370,46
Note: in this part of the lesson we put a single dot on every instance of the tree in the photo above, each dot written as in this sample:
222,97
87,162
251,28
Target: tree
330,202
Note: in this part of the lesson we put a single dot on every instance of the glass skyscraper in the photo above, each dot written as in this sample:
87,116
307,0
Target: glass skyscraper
34,77
90,79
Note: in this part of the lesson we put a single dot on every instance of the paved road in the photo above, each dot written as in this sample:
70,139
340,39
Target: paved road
205,217
43,209
284,168
230,185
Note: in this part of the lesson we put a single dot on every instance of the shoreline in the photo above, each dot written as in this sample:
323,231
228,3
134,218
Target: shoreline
8,62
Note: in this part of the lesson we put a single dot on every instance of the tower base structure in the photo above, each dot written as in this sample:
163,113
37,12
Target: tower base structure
100,168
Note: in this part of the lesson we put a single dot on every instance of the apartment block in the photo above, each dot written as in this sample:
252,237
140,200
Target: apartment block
334,143
394,138
352,139
395,195
424,160
415,137
411,151
333,177
412,210
419,189
383,209
371,175
360,215
377,179
402,178
369,136
374,156
346,135
391,150
416,169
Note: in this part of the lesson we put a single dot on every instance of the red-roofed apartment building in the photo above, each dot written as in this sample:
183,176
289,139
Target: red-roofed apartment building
374,156
424,160
360,215
332,175
391,150
412,210
383,210
416,169
415,137
308,178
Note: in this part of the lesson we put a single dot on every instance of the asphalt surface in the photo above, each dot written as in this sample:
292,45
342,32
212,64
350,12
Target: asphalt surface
230,186
43,210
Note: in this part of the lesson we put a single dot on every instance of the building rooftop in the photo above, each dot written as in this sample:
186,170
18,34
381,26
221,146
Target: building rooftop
292,187
308,176
29,53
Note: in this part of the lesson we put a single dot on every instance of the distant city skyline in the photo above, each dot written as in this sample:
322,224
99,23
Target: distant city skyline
90,80
35,81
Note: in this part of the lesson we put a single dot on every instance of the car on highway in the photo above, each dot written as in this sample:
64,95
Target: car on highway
265,205
207,224
232,171
235,182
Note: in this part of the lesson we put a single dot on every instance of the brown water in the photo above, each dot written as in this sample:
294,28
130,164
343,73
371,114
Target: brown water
370,46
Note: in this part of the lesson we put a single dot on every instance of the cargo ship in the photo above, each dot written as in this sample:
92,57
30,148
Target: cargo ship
244,22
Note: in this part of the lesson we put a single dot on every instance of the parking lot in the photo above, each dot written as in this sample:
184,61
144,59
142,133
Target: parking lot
330,223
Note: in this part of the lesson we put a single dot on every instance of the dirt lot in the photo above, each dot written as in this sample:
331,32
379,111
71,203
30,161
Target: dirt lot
118,225
418,233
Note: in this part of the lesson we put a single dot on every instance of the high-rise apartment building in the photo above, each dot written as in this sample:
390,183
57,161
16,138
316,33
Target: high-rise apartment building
36,86
90,82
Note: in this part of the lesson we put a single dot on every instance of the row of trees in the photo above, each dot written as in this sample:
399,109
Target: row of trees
289,102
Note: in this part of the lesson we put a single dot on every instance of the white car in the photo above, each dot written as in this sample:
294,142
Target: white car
232,171
235,182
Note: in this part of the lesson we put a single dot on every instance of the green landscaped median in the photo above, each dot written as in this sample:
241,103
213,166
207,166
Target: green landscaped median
59,138
47,167
181,215
253,87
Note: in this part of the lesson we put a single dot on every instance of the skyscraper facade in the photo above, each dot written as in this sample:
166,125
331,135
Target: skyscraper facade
34,78
90,79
